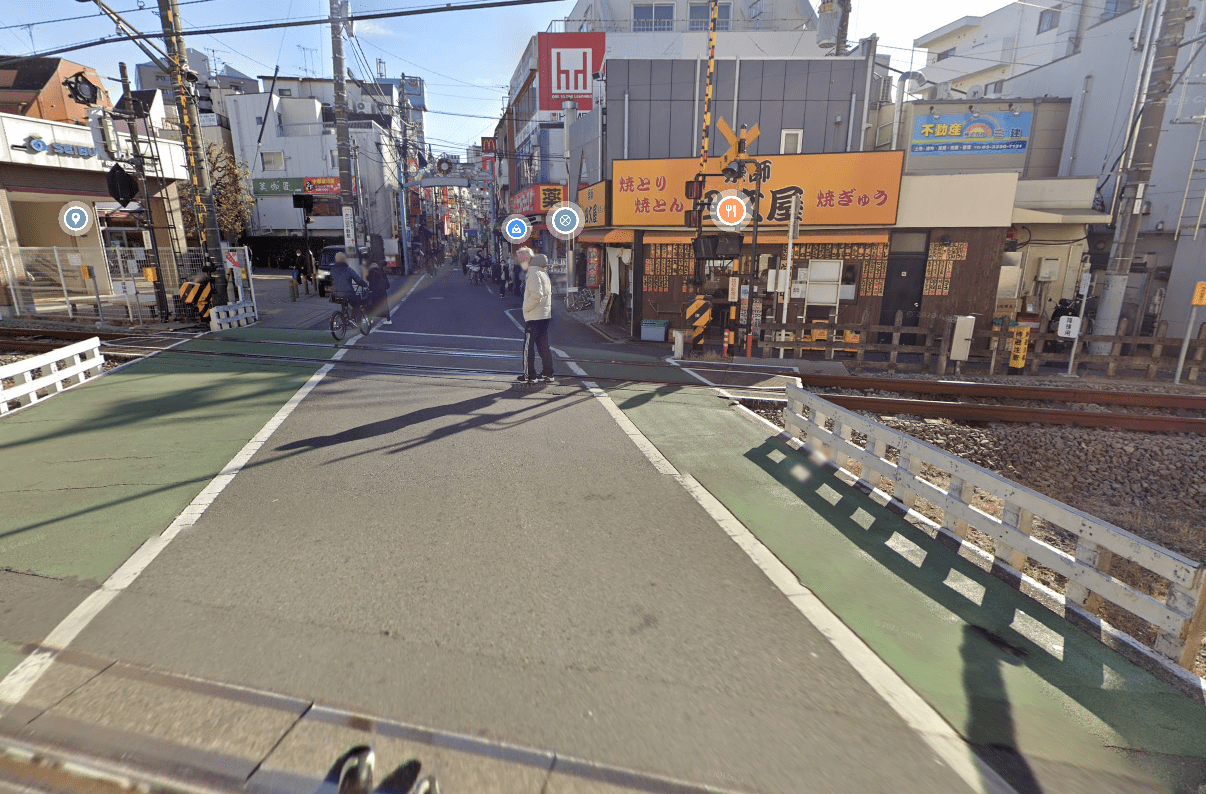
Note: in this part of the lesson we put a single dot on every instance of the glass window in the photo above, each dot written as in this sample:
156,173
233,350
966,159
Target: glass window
791,141
646,17
942,56
1048,20
285,92
272,161
698,16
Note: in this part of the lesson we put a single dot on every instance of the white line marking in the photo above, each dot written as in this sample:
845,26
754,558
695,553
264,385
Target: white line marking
456,336
518,324
24,676
911,707
691,372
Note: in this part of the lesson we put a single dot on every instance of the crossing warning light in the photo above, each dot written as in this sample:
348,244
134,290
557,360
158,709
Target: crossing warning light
122,187
694,190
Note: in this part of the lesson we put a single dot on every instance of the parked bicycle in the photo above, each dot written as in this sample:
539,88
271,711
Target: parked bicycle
351,314
584,298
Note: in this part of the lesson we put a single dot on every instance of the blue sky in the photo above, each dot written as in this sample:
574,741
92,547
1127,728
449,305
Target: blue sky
466,57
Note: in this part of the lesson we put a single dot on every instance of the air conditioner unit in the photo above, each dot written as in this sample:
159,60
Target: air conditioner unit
975,92
360,106
943,90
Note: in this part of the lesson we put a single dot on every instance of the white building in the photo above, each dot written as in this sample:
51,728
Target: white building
1098,70
298,155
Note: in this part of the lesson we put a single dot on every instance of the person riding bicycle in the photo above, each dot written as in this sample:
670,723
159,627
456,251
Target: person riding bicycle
342,280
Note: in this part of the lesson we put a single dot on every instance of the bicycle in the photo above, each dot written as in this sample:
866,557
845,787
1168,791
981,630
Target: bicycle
582,299
351,313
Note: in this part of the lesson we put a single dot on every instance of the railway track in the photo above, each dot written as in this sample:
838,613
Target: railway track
44,340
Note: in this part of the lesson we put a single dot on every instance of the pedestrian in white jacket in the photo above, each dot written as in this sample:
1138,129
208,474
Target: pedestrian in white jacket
537,313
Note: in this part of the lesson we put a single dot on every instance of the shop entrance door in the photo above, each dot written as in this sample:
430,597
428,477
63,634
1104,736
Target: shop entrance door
904,283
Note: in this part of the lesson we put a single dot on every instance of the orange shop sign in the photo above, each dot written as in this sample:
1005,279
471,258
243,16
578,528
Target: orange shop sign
321,185
594,204
537,199
849,189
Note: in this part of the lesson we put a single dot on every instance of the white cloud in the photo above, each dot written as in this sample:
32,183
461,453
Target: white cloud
372,27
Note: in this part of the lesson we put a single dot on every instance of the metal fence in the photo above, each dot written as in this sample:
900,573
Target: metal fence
108,284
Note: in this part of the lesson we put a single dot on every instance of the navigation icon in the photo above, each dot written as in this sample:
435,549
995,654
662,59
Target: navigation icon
565,220
516,229
75,218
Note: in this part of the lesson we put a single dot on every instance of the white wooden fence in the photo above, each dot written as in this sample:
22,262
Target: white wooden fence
1179,619
232,315
60,370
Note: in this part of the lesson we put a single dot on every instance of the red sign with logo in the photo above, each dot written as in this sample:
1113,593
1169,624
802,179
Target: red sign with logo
488,164
321,185
537,199
489,145
568,62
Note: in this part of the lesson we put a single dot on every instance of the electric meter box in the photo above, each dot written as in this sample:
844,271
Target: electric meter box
1048,268
965,327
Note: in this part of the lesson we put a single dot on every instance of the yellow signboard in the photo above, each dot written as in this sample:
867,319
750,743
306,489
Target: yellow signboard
1199,294
594,204
1021,345
854,189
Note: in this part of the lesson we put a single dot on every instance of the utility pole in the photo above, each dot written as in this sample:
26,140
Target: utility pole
183,82
135,112
843,30
403,191
339,10
1138,172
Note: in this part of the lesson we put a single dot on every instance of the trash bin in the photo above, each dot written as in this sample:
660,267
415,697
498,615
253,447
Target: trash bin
654,330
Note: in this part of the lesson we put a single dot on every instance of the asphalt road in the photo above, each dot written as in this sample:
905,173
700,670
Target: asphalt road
469,554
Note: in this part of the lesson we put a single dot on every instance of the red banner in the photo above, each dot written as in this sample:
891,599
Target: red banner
320,185
568,62
537,199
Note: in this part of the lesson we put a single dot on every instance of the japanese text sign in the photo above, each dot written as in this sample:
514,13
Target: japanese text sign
285,186
855,189
963,133
568,63
594,204
321,184
537,199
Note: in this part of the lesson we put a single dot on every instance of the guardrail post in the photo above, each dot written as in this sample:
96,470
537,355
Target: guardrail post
1195,368
1116,348
896,325
1022,521
902,492
1089,553
63,283
1184,645
864,339
962,491
1153,369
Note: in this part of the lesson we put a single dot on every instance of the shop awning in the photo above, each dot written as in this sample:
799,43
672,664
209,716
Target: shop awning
669,237
1025,215
604,236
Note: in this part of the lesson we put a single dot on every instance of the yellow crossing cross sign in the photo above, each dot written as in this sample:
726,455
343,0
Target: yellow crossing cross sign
699,315
1199,294
733,138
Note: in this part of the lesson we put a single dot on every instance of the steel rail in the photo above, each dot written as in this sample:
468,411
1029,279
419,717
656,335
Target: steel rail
972,412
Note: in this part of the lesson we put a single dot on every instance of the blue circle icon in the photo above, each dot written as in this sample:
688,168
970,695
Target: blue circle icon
75,218
565,220
516,228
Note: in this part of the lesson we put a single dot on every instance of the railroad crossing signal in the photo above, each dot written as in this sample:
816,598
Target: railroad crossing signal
699,315
735,140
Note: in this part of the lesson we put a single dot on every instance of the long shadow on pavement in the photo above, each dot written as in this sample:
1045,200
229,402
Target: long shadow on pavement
1147,714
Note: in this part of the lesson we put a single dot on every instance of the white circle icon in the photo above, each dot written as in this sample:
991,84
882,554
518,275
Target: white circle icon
565,220
516,228
75,218
732,210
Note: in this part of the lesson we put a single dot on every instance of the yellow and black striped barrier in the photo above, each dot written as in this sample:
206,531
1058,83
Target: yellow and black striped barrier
198,295
699,316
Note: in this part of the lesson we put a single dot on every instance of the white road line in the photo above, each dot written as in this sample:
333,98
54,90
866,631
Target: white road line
455,336
25,675
691,372
518,324
402,300
911,707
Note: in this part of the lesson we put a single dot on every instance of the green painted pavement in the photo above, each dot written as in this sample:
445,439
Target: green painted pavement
92,473
1004,671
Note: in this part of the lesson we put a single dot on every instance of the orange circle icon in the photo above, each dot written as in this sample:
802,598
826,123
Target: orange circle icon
731,210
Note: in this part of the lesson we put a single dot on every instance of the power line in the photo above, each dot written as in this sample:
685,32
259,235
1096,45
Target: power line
93,16
433,71
245,28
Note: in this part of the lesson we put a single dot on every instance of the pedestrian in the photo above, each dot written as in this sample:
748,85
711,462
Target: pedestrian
504,274
378,285
537,313
516,281
465,262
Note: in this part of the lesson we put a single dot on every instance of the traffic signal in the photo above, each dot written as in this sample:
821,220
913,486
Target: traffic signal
694,189
303,201
122,187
